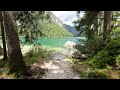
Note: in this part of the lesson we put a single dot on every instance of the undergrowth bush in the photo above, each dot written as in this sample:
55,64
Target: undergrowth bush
113,48
81,48
118,60
99,60
94,75
107,56
35,55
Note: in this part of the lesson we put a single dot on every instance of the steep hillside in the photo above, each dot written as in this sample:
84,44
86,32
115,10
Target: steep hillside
56,19
71,29
52,29
74,31
67,27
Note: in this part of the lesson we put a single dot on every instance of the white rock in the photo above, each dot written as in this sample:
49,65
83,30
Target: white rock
69,44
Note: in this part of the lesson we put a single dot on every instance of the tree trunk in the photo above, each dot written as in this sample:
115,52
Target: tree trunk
96,27
15,57
3,37
106,27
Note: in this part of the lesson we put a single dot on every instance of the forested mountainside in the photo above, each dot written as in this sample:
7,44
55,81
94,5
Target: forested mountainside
52,29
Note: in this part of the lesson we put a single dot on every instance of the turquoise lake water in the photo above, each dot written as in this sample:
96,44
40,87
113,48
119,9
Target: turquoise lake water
56,42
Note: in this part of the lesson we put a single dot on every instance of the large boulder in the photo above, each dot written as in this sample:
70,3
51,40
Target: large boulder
69,45
77,54
74,53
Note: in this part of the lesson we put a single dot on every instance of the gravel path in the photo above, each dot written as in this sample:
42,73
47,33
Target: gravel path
59,69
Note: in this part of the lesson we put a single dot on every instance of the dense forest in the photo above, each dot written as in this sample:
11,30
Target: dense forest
95,57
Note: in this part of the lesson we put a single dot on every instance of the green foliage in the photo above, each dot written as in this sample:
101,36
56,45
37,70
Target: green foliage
118,60
113,48
102,54
87,19
81,48
87,71
29,22
116,32
90,47
94,75
2,63
100,60
93,46
34,24
107,56
93,23
32,57
37,54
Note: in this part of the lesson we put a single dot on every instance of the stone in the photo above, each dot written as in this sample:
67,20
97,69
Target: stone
83,56
74,53
69,45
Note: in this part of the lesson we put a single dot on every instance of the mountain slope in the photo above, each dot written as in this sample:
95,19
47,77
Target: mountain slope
52,29
56,19
71,29
65,26
74,31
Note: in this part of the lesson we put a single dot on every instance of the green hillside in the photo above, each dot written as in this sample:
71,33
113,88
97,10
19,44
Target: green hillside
51,29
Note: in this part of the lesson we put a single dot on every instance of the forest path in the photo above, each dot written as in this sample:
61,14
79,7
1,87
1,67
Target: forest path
59,69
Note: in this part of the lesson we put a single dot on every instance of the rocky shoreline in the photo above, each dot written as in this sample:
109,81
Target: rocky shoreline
71,52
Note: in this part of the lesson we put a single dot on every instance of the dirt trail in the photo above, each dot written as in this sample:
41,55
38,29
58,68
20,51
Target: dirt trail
59,69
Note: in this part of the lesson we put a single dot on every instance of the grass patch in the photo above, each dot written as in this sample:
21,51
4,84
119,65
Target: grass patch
88,71
3,63
4,70
94,75
37,54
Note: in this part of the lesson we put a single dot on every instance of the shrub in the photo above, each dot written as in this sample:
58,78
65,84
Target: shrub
100,60
37,54
108,55
94,75
81,48
118,60
113,48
